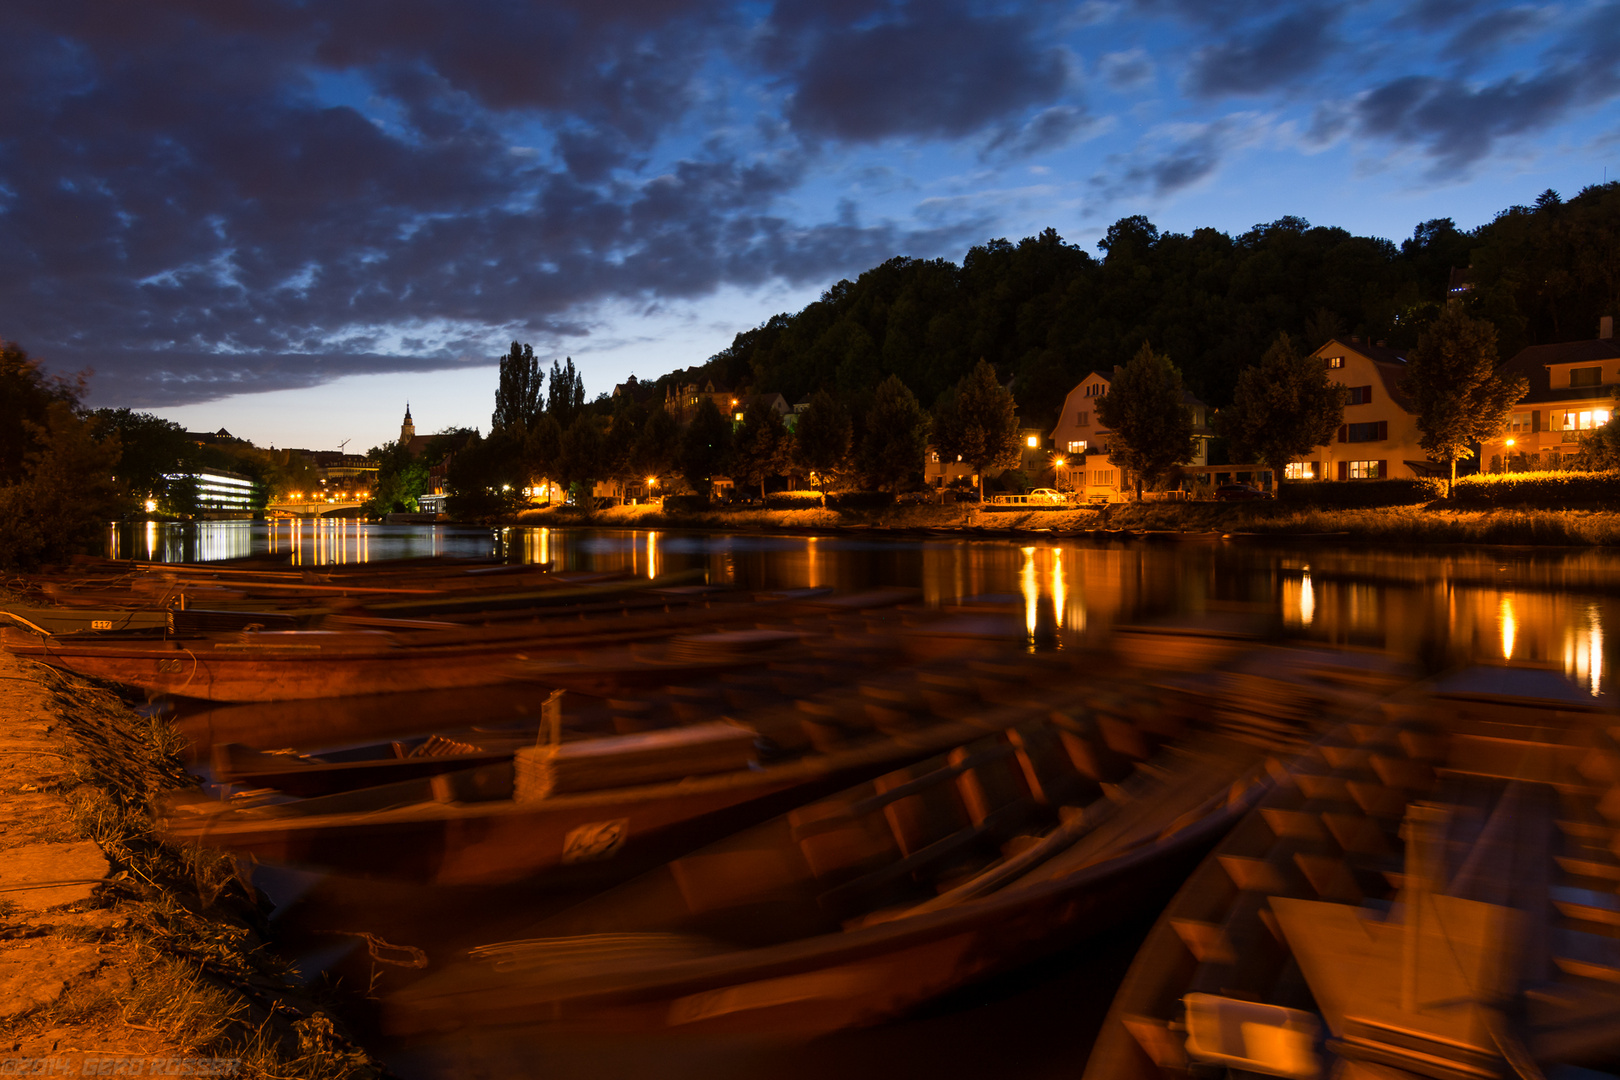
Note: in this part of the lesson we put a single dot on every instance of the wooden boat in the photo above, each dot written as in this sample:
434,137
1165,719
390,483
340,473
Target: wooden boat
1432,895
313,775
859,907
471,827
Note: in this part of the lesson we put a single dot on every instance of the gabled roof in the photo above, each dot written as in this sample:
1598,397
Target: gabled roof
1389,364
1532,362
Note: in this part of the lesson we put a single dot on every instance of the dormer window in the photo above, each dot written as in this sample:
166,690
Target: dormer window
1586,376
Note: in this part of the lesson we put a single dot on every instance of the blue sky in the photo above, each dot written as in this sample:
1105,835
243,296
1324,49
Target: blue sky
288,221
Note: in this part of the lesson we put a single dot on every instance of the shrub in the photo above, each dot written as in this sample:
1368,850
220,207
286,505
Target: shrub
793,500
1550,490
861,500
685,504
1355,494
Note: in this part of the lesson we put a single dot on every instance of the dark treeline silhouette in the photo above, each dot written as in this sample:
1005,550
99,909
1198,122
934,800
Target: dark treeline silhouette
1045,312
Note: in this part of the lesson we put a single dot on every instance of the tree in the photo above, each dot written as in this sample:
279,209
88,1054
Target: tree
705,447
762,447
154,451
1284,406
26,395
401,480
619,442
894,449
65,494
518,397
484,478
581,461
542,450
1600,449
979,424
657,452
1150,430
1452,381
565,394
821,440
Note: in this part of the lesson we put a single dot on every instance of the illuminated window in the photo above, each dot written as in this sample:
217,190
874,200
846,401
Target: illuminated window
1364,470
1585,420
1033,441
1335,361
1299,470
1585,376
1077,446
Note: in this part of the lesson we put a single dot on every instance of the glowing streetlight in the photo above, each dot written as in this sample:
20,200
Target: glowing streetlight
1511,442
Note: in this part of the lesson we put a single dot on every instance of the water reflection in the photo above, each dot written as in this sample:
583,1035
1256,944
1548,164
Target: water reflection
1540,607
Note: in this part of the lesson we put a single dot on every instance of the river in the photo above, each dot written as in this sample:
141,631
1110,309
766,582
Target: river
1440,606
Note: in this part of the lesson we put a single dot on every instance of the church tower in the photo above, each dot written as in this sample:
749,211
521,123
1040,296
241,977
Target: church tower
407,430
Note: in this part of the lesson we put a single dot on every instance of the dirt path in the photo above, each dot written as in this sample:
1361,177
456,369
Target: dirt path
119,954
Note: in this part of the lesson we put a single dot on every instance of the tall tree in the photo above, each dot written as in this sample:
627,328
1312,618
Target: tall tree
519,396
658,449
64,495
1456,392
705,447
762,447
979,424
26,395
1284,407
154,450
581,462
542,450
894,448
1150,430
565,394
821,440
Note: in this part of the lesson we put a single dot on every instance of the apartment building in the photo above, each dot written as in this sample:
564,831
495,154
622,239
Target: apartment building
1080,442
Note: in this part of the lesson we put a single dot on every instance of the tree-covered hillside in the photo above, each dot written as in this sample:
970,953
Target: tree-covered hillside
1045,312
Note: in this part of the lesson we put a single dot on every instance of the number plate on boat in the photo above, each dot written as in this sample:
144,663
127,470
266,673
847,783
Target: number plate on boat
595,841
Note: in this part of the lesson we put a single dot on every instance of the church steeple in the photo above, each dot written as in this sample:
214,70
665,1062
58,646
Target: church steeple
407,430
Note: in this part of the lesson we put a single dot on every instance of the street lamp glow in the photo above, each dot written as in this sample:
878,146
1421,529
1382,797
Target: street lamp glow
1511,442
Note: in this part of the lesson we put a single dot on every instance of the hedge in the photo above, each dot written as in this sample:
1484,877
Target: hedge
1550,490
1355,494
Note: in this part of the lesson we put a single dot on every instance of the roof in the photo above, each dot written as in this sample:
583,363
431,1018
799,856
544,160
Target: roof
1532,362
1389,364
1187,397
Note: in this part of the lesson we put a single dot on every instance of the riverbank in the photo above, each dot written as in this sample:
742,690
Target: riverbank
119,953
1433,523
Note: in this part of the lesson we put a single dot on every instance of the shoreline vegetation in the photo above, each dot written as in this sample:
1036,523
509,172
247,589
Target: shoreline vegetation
1431,523
116,947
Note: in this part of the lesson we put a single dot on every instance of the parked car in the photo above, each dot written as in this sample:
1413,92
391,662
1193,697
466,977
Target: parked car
1239,493
1047,495
917,498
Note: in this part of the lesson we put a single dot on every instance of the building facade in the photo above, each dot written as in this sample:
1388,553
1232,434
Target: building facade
1572,391
1379,436
1080,458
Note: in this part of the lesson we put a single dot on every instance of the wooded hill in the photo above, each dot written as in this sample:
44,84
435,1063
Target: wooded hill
1045,312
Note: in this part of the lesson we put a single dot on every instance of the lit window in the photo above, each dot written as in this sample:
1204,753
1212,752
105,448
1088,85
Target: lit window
1335,361
1033,441
1077,446
1299,470
1585,420
1364,470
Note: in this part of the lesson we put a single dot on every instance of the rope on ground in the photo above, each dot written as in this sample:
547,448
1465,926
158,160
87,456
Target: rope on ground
414,957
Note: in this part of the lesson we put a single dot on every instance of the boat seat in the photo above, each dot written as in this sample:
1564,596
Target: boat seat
1049,769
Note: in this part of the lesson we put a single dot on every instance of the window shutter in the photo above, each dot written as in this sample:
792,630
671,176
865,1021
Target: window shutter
1535,421
1344,470
1383,470
1383,430
1344,432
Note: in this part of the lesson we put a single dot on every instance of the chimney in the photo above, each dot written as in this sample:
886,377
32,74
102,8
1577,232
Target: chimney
1606,327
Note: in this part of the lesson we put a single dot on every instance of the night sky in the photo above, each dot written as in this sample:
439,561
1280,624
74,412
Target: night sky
288,219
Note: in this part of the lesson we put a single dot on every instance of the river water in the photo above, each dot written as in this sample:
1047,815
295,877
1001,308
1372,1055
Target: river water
1556,607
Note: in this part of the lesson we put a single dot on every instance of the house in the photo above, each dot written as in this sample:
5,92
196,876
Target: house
1379,436
741,404
682,400
1080,442
1572,390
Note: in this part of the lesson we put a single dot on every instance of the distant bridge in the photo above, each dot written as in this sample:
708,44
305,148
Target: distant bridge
312,509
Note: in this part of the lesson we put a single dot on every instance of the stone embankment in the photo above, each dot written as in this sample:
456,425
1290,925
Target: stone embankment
119,954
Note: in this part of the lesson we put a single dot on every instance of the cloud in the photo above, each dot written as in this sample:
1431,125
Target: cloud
908,70
1126,70
1490,31
1047,130
1458,124
1270,56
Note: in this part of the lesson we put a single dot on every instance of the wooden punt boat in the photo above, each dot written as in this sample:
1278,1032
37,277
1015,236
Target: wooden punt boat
470,827
1433,895
861,906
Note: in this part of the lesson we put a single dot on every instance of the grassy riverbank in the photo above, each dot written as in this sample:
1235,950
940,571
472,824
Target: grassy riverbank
1434,523
113,944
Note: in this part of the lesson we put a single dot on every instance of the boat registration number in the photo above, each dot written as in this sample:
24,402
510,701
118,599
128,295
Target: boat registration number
595,841
101,624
